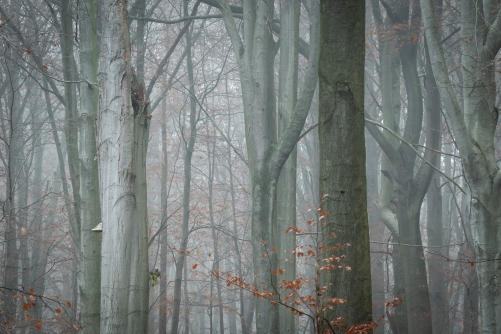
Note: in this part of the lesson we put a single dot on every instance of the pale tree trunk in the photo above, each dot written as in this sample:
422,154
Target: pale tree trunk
15,159
211,155
376,227
473,133
189,147
162,322
186,301
62,167
246,326
391,105
37,263
70,103
438,301
255,52
116,151
90,208
409,186
286,190
470,302
139,293
343,188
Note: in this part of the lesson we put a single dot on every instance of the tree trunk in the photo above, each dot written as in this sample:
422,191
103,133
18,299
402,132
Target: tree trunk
70,103
14,164
116,166
211,153
255,53
162,322
286,190
473,132
90,213
189,146
438,301
343,186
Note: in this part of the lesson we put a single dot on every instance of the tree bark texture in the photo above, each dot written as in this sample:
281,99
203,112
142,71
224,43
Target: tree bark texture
255,53
286,191
90,206
116,166
474,132
343,186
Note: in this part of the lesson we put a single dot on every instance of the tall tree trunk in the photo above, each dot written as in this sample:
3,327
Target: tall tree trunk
73,227
473,132
342,157
246,326
116,166
162,322
211,153
189,146
391,104
408,185
15,159
70,102
90,207
255,53
37,226
438,301
286,190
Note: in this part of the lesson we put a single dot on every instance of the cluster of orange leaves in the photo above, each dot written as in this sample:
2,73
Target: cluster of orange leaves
28,303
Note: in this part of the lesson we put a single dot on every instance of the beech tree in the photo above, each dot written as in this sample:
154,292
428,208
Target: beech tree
116,151
473,132
90,208
343,187
255,54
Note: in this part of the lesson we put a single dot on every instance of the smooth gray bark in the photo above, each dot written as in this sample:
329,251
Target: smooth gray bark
71,109
286,188
473,133
15,159
211,158
409,185
162,322
438,301
255,52
90,207
189,147
245,325
116,154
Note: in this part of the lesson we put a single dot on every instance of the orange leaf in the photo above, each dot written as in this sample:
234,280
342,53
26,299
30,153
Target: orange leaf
26,306
29,317
58,310
194,266
45,66
281,271
32,290
69,304
274,250
274,272
38,327
263,255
